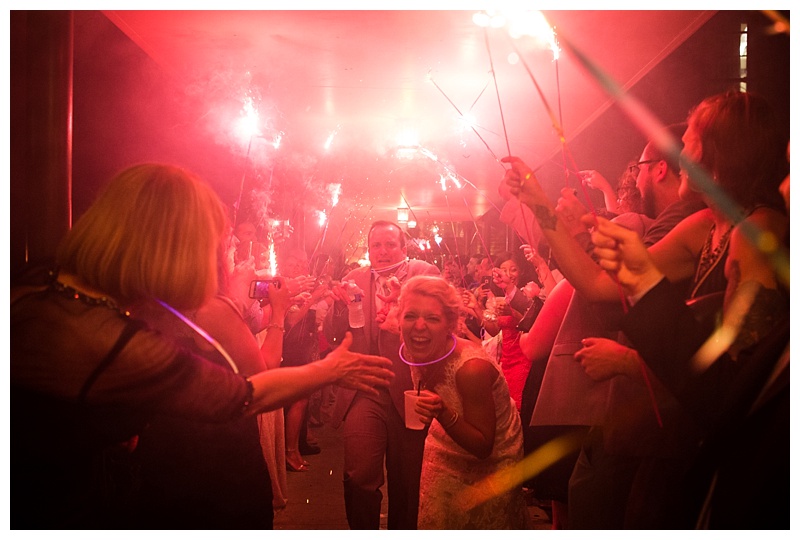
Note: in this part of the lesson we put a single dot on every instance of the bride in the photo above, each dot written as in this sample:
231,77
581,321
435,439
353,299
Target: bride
477,431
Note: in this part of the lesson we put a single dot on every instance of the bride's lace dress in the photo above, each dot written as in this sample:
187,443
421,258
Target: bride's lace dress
449,473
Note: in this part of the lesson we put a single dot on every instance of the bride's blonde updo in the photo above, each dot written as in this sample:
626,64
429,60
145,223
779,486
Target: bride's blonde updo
433,287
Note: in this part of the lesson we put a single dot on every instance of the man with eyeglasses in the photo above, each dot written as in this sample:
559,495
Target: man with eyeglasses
658,179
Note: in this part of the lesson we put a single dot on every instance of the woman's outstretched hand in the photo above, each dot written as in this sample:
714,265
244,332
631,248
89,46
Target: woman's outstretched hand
364,372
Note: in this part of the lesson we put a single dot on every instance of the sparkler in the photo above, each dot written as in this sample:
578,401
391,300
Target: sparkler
334,191
430,78
502,119
330,138
360,227
496,90
273,259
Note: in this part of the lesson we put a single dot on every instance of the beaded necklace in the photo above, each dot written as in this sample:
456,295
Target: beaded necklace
74,294
709,258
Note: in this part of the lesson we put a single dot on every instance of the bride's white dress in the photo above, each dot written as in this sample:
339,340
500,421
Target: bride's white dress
450,473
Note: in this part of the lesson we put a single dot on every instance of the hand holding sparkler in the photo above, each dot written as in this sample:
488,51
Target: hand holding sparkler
523,184
571,210
595,180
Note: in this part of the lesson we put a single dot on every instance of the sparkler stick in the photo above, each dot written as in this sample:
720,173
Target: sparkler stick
561,122
496,90
615,92
321,238
241,188
455,239
341,232
502,119
471,126
360,225
335,190
454,173
479,94
483,242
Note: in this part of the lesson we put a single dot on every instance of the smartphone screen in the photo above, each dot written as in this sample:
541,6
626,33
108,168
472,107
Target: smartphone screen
259,288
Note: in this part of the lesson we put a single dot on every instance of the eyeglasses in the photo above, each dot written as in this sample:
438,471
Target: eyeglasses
634,169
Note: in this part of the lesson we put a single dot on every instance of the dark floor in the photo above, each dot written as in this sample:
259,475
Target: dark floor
316,499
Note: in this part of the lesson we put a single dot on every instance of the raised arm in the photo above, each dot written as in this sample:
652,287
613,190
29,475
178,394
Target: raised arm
674,255
277,387
576,265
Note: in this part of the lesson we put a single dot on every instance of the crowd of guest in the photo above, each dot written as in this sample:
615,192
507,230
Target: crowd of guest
648,338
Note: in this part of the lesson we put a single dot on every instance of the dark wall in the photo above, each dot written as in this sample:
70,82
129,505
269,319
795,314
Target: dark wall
128,110
705,64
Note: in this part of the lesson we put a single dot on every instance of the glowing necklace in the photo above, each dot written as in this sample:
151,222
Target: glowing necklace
387,268
448,353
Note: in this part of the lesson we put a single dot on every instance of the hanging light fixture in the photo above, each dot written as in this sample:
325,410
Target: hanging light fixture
402,215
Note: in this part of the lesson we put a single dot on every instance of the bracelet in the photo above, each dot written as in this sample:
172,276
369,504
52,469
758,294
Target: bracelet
452,421
273,325
248,400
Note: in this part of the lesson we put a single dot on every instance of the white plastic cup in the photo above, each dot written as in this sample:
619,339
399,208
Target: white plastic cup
412,417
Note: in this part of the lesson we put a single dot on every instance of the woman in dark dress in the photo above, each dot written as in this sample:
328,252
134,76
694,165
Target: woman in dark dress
86,378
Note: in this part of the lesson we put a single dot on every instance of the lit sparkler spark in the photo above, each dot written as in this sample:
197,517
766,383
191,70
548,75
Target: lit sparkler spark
428,154
530,23
273,260
468,120
452,177
534,24
489,18
330,138
335,191
248,123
